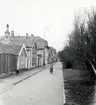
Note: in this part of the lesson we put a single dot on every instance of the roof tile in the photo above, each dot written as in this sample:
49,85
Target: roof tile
10,49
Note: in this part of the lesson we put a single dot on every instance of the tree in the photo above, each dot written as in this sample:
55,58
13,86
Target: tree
81,48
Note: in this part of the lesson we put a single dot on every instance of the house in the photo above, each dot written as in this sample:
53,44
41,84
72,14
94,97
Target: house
29,43
12,57
22,57
42,51
30,47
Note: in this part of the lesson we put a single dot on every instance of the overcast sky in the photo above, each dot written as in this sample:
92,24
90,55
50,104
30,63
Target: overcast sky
32,16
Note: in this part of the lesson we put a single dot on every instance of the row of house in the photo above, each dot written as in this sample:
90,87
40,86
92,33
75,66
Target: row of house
24,52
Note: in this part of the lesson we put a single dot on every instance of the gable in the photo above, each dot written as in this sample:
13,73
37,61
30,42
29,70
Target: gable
34,45
23,53
34,48
23,50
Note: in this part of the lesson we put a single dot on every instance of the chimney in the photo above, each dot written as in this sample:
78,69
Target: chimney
12,33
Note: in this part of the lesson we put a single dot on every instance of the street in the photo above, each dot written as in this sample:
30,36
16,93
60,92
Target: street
40,89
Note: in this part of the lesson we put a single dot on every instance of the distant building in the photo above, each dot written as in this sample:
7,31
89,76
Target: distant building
52,55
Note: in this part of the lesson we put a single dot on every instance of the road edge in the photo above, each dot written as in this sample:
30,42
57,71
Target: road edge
15,83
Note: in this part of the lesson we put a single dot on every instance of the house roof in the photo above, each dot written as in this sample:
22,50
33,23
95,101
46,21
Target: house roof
53,49
10,49
28,41
40,43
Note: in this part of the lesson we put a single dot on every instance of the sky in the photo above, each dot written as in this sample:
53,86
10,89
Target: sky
33,16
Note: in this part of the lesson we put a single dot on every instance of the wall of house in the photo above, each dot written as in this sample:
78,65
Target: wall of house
8,63
40,57
34,56
39,61
46,55
22,60
29,58
50,60
33,60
